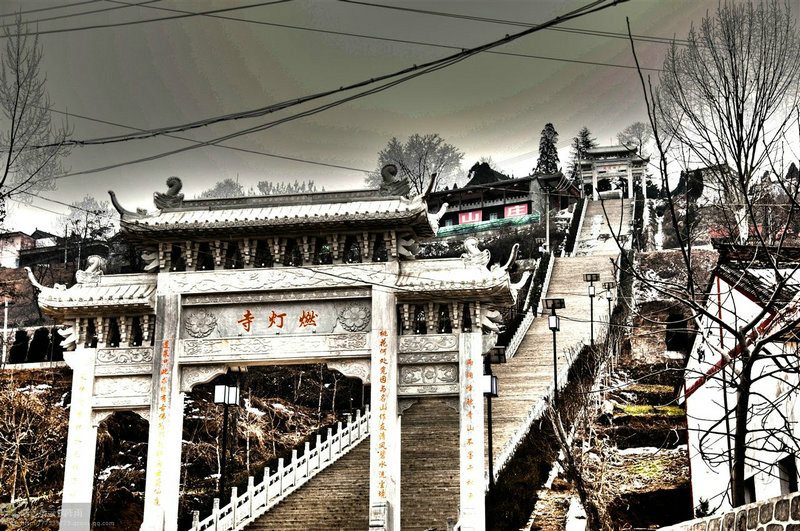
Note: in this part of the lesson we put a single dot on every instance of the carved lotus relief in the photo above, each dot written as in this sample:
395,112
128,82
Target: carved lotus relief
354,318
200,324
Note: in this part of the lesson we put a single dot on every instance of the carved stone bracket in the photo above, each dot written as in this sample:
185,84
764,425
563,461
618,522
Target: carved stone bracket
428,343
352,368
199,374
403,404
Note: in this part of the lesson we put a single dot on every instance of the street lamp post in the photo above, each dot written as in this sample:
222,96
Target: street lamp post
555,325
591,278
227,395
495,356
608,286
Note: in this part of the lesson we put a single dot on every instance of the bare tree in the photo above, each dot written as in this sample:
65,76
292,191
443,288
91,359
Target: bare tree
31,147
421,158
90,219
224,189
725,101
636,135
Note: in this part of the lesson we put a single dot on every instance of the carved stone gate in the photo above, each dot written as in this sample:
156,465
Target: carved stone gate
277,280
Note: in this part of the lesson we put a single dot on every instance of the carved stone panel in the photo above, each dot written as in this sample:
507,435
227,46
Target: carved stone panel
122,392
428,343
124,361
428,379
428,357
200,323
323,316
274,348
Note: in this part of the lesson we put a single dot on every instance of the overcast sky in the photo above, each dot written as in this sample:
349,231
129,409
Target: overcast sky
163,73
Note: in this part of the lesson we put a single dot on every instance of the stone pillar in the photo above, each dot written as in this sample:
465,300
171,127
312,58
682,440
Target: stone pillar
76,502
166,422
645,210
595,195
471,445
631,191
384,445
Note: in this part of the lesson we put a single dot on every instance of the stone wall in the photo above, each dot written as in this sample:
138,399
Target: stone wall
775,514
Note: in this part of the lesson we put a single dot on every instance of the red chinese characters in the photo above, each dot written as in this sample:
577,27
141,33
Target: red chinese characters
308,318
384,397
246,320
276,319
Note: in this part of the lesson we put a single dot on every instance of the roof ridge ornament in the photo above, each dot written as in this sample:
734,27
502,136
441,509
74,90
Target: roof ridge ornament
172,198
473,255
391,184
123,211
94,272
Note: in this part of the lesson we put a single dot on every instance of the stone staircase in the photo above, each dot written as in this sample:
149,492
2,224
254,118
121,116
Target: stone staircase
596,233
337,498
526,380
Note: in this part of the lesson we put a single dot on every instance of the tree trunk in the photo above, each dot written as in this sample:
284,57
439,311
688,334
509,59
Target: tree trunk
740,436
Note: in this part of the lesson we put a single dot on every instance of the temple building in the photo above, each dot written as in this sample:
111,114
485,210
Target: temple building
489,200
324,277
612,169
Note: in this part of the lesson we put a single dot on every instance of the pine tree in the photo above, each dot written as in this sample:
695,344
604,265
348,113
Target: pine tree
548,155
580,144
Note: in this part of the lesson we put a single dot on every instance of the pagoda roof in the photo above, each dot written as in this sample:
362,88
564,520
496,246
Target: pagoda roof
121,293
340,210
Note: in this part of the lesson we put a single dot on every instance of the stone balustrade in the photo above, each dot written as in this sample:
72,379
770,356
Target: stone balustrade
258,499
775,514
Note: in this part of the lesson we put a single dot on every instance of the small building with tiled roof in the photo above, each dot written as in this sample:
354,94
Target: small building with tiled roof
489,200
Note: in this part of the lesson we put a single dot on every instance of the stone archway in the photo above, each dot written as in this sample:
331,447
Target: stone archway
121,459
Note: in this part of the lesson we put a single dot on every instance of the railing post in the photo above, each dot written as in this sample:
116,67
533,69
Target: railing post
330,443
195,520
266,485
307,455
358,423
215,514
251,487
319,450
280,476
339,437
294,467
234,496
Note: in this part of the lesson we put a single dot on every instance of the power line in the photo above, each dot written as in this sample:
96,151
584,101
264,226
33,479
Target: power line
402,41
289,103
145,21
234,148
25,12
82,13
583,31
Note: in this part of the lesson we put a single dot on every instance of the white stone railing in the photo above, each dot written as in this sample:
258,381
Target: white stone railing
519,335
535,413
258,499
546,284
580,228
